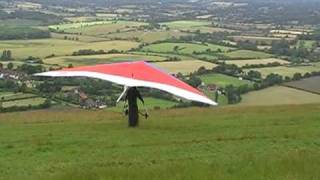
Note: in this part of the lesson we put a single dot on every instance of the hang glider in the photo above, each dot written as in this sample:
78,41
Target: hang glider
135,74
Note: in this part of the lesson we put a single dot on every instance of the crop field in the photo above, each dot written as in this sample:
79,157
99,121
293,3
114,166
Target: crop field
242,63
255,39
192,26
81,38
6,96
279,142
279,95
184,67
24,102
287,71
223,80
184,48
105,28
68,26
46,47
100,59
310,84
247,54
147,36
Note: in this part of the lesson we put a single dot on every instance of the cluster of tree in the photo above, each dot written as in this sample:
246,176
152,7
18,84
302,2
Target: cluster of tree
273,64
6,55
229,69
247,45
45,18
297,54
9,85
193,80
82,52
216,37
22,32
30,69
71,38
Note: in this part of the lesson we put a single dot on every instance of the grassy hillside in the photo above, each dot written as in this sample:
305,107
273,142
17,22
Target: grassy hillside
280,142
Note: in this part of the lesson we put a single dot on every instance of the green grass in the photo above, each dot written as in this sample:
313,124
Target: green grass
223,80
280,142
279,95
247,54
184,48
100,59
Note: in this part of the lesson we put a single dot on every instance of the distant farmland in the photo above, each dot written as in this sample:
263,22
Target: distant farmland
184,67
287,71
46,47
247,54
279,95
242,63
310,84
100,59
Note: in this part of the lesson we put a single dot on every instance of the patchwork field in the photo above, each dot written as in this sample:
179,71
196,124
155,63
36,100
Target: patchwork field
279,95
184,67
100,59
147,36
184,48
242,63
258,40
287,71
223,80
46,47
310,84
247,54
279,142
193,26
102,29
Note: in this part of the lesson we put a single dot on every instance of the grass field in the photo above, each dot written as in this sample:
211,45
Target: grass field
184,67
223,80
247,54
287,71
280,142
184,48
100,59
45,47
310,84
242,63
279,95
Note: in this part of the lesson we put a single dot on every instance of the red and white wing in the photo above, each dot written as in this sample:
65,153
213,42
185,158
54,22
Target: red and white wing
135,74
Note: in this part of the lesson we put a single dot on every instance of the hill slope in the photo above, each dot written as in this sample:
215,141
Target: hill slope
280,142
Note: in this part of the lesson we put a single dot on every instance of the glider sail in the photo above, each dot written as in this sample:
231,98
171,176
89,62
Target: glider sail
135,74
